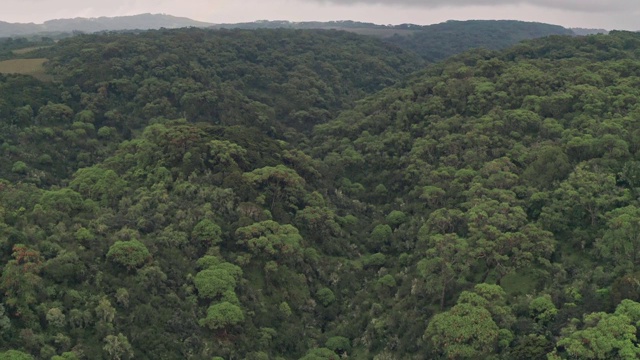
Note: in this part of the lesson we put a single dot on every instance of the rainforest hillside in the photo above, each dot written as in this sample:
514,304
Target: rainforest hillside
434,42
296,194
272,80
438,41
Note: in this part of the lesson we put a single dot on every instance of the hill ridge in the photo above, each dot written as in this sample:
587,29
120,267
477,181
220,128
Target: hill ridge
146,21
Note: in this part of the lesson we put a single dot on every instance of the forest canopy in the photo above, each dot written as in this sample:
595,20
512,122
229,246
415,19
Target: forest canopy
305,194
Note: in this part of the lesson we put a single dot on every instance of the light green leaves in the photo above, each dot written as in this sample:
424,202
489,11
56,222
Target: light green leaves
604,336
270,239
222,315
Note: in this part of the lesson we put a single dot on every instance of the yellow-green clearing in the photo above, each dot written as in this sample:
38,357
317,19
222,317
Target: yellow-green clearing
33,67
28,50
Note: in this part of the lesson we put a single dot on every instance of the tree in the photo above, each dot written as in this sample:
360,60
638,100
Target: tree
15,355
603,336
21,281
52,113
104,311
620,243
338,344
530,347
550,165
445,263
583,199
396,218
207,232
66,356
131,254
226,155
118,347
99,184
464,332
20,167
326,296
212,283
475,327
446,220
282,183
64,201
222,315
5,322
542,309
320,354
320,222
501,236
55,317
268,239
380,236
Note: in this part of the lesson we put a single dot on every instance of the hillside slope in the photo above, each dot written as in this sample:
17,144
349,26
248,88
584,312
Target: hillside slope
440,41
433,42
274,80
155,207
516,168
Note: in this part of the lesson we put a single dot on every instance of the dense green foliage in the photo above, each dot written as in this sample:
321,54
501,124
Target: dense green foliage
231,77
9,47
516,168
114,85
162,200
440,41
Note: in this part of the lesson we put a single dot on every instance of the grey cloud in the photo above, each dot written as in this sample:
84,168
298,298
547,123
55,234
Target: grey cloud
574,5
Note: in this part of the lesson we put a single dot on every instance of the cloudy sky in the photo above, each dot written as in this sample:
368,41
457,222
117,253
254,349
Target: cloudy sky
609,14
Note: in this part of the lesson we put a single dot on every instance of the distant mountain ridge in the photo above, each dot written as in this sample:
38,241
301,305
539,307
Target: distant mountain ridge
433,43
156,21
90,25
440,41
362,28
437,41
279,24
350,25
586,31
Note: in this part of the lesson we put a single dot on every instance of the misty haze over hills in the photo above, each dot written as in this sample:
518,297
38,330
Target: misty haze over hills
90,25
157,21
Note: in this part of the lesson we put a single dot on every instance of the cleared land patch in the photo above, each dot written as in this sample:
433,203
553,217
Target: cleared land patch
33,67
28,50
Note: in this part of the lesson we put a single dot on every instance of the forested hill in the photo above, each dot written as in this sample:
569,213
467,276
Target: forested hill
162,198
304,25
114,85
440,41
585,31
432,42
517,169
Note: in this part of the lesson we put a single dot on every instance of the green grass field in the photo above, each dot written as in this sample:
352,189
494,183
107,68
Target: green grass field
33,67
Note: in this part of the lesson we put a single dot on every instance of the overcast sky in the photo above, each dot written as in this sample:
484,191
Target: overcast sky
608,14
